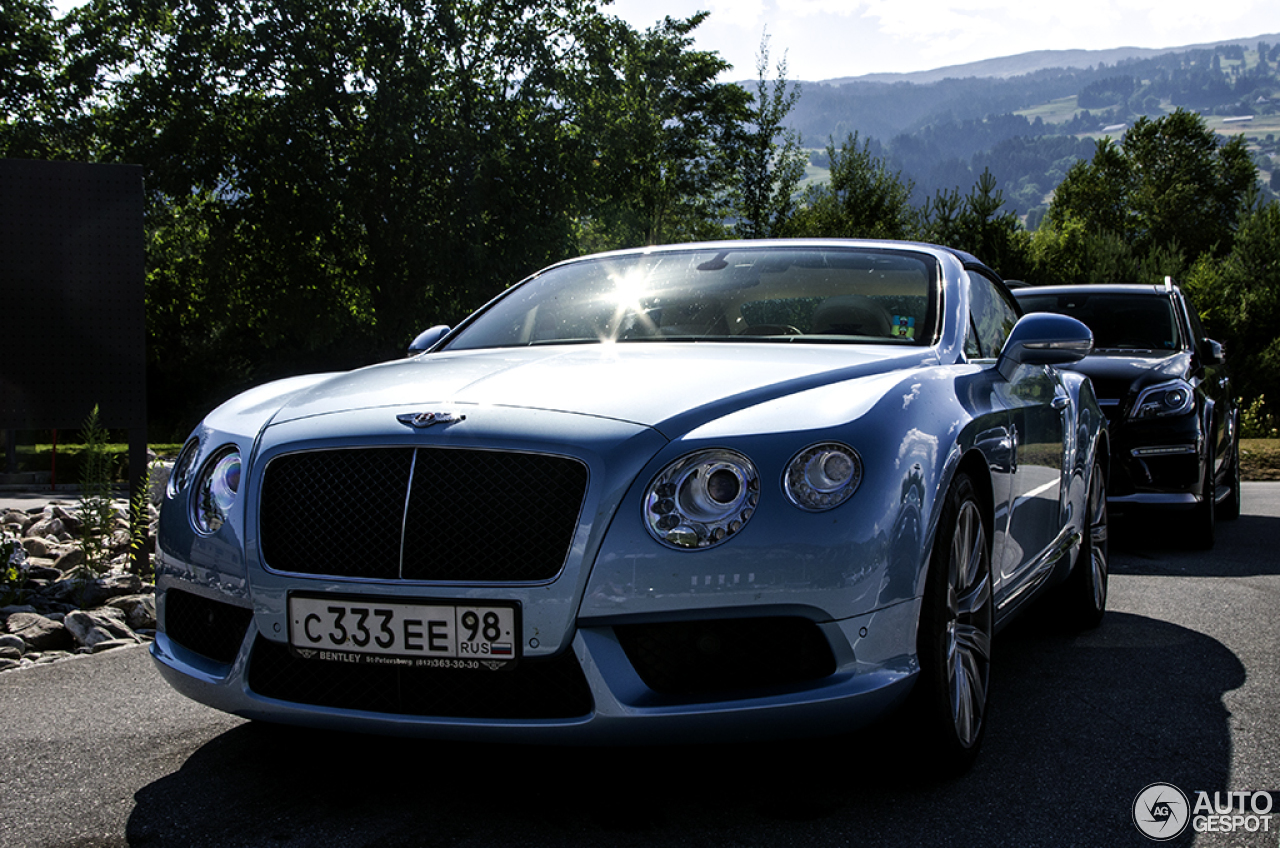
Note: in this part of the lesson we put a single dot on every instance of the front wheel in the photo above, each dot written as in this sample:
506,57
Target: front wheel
954,640
1201,530
1229,509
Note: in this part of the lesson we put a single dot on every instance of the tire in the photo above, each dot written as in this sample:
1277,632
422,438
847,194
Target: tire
1084,594
1229,509
954,640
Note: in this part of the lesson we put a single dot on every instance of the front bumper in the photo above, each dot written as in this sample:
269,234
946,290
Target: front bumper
1156,464
590,694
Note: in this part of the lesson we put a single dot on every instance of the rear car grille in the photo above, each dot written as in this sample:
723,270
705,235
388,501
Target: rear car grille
718,656
444,514
210,628
536,688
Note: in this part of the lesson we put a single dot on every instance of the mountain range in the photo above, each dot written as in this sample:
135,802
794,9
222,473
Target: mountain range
1039,60
1027,118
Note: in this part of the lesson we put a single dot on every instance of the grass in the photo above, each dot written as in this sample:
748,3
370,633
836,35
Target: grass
39,457
1260,459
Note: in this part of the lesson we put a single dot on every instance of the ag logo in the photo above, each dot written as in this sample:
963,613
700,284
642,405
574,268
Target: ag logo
1161,811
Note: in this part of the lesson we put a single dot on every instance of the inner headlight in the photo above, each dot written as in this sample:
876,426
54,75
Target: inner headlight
823,476
216,490
1172,398
702,499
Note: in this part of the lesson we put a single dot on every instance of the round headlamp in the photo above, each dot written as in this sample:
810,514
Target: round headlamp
823,476
184,467
216,489
702,499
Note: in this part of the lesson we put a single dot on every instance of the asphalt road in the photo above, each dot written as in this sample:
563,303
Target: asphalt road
1179,685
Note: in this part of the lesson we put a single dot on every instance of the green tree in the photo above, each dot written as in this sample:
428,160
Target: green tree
41,90
1170,184
1239,300
863,198
347,173
773,163
667,139
977,225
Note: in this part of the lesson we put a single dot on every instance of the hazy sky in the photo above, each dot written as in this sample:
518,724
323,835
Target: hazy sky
825,39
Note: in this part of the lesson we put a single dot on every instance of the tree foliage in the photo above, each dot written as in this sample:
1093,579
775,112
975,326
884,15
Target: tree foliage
1239,301
863,198
325,179
773,163
1170,186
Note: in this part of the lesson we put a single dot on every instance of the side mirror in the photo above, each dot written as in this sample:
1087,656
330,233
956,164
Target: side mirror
1213,352
427,339
1044,338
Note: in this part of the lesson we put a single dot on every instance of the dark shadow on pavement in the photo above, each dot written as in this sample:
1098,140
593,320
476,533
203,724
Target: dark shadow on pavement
1150,543
1079,725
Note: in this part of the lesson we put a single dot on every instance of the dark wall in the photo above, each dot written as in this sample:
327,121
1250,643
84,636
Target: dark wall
72,305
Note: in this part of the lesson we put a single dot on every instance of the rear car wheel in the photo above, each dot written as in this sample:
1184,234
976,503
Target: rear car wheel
954,641
1085,592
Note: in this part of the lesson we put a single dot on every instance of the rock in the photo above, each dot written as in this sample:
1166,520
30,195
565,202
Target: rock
106,645
99,625
158,482
5,612
69,559
139,610
46,527
94,592
68,610
42,569
40,633
37,547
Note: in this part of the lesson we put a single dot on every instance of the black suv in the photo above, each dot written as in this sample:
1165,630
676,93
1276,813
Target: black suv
1164,388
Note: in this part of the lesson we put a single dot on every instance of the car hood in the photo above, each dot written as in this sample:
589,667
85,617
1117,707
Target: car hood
1114,375
645,384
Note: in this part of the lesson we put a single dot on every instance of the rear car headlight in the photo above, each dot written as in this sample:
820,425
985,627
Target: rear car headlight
823,476
1172,398
702,499
216,490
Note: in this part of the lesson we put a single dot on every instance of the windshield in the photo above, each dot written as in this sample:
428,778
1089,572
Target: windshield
1128,322
769,294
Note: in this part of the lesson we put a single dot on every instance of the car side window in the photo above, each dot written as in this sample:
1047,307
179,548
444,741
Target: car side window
992,314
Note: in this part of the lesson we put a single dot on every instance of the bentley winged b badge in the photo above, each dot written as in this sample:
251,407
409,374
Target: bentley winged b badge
420,420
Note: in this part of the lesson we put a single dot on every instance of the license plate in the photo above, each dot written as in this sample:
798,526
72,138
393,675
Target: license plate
427,635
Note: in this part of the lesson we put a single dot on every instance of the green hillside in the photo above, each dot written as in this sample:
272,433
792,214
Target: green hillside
1028,129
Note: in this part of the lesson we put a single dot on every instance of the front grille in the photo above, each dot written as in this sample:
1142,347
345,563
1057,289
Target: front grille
421,514
210,628
536,688
724,655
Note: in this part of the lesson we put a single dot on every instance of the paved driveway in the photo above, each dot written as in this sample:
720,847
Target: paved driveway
1179,685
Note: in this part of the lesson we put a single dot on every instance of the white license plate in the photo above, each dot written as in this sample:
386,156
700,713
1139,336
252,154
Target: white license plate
383,632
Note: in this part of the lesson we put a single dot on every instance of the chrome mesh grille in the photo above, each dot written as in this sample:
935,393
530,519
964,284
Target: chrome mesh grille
453,515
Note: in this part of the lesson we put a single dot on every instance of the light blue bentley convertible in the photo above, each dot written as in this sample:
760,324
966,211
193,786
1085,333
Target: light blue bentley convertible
710,491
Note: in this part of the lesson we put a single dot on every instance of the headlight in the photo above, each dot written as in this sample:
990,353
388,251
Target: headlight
823,476
702,499
1172,398
183,467
216,490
